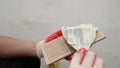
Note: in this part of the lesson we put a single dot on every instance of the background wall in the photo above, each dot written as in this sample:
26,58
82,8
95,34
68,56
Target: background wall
36,19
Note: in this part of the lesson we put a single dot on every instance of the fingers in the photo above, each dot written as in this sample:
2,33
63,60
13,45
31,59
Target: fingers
86,59
79,55
77,58
83,52
89,59
98,63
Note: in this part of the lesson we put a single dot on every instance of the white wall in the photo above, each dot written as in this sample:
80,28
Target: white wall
36,19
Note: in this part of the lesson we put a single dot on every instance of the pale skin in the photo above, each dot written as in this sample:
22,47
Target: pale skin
11,48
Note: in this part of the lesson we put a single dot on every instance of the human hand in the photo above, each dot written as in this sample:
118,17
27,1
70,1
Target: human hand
55,35
85,59
48,39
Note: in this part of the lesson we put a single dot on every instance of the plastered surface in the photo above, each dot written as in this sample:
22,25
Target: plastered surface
36,19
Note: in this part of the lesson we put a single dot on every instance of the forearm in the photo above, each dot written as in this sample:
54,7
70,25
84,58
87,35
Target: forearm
10,48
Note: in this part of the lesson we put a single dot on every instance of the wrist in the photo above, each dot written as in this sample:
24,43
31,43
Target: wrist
39,49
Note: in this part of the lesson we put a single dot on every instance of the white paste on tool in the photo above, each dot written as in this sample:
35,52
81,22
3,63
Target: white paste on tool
81,36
